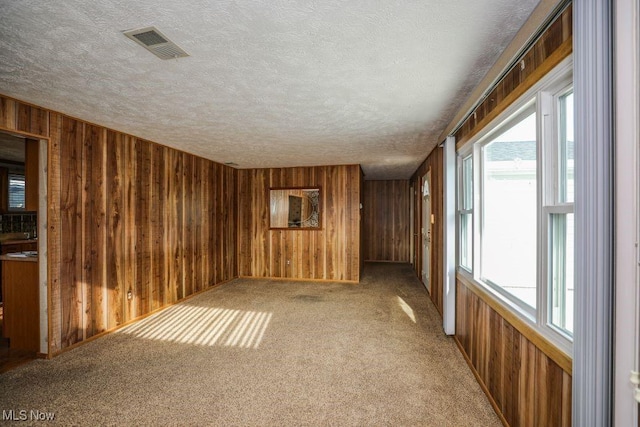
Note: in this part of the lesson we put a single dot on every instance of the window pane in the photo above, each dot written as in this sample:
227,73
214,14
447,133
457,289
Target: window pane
466,241
509,211
467,183
562,269
16,191
566,148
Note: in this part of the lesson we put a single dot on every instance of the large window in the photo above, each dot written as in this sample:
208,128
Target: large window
509,192
516,218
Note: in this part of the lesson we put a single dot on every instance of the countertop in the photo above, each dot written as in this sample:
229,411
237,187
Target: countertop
19,256
18,242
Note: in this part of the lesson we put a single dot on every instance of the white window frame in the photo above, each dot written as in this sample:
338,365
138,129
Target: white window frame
543,94
462,210
526,109
549,152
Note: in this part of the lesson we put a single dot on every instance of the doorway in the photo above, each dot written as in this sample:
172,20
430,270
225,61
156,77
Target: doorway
426,230
23,299
412,209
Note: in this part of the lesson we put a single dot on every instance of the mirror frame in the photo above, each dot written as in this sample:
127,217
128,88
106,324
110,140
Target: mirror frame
314,188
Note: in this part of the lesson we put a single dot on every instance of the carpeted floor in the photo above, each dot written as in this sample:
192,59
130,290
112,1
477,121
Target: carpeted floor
259,353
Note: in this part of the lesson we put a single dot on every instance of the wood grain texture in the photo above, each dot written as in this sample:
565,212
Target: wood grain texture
54,236
113,232
31,171
551,350
95,221
386,221
71,210
21,304
27,119
331,253
32,120
128,184
125,217
553,46
525,385
8,118
527,379
130,217
433,163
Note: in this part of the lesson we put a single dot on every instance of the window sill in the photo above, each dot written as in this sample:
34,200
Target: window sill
519,321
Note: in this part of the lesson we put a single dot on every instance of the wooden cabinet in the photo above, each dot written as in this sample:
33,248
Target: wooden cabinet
21,304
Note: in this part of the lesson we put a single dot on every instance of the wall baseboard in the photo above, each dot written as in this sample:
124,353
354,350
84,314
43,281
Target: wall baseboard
294,279
137,319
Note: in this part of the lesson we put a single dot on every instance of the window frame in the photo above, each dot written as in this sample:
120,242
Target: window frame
551,204
16,176
543,95
525,110
462,209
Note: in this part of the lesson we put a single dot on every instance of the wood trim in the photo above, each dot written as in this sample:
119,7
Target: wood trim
53,233
137,319
528,387
31,172
483,386
22,133
562,359
554,59
293,279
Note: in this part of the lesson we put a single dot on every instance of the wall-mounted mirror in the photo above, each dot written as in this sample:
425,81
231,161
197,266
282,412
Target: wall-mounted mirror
294,208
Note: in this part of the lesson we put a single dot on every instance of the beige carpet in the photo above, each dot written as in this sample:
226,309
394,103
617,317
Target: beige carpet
258,352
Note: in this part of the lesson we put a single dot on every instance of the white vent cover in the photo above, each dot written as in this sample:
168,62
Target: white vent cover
156,42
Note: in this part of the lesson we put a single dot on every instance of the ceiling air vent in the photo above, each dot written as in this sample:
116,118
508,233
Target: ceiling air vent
156,42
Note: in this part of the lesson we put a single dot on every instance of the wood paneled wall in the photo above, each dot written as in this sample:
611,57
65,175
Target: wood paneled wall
332,253
386,221
125,216
528,380
528,388
24,118
548,51
435,164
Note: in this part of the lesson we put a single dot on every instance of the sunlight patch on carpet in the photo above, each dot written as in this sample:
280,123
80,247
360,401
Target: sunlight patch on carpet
407,309
206,326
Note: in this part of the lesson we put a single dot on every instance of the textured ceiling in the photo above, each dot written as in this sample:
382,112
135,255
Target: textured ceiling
11,148
268,83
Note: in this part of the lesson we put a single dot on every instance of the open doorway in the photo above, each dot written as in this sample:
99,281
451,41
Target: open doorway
426,230
412,210
23,298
